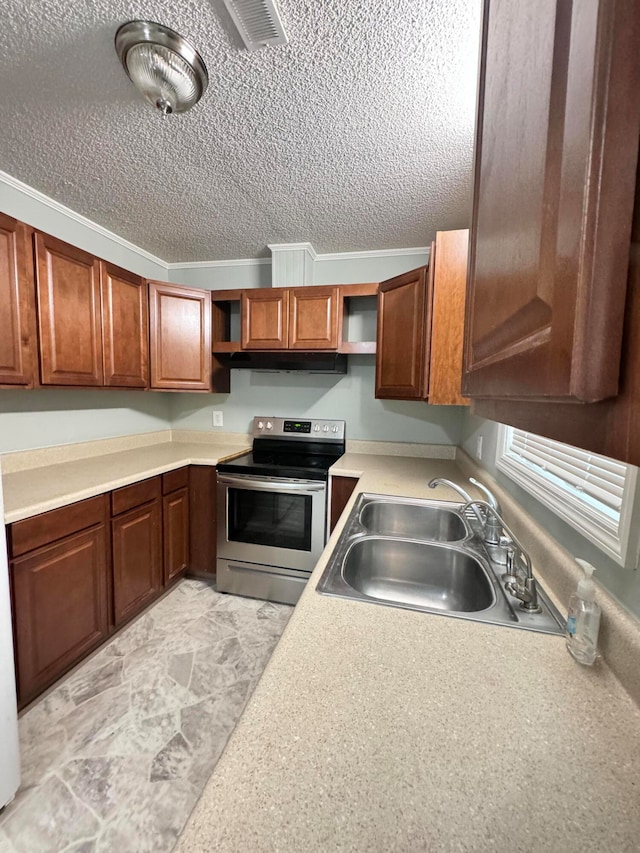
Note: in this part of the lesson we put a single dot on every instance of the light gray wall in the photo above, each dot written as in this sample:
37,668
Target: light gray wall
51,416
349,397
327,269
27,205
623,582
336,269
215,276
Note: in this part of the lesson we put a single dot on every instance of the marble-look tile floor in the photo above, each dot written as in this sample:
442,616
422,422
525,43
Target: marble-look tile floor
116,756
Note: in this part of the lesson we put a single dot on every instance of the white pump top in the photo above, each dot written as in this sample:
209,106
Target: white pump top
586,587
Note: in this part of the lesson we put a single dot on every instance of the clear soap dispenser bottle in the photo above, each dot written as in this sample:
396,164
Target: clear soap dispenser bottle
583,621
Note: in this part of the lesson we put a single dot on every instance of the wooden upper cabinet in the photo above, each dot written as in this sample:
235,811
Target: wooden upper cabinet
265,319
125,323
180,337
313,318
404,323
448,271
17,308
68,293
556,151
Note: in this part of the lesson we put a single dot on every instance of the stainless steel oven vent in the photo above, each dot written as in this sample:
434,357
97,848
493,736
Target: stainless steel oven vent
258,22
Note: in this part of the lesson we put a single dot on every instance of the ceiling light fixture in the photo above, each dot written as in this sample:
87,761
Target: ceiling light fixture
162,65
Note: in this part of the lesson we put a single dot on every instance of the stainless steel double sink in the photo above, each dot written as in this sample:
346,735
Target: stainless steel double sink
423,555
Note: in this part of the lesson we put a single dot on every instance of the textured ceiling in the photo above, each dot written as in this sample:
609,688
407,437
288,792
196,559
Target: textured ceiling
356,135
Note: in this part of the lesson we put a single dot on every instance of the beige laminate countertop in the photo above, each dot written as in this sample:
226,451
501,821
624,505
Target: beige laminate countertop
37,490
380,729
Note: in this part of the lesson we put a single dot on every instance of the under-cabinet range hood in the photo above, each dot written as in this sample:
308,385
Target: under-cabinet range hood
287,362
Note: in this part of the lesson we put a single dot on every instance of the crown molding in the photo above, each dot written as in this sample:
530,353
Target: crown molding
374,253
235,262
63,210
292,247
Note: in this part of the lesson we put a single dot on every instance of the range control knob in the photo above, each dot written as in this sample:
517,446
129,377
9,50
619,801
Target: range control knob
260,425
325,428
334,429
269,425
316,428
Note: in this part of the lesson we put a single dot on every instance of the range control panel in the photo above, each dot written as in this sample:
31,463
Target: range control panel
298,428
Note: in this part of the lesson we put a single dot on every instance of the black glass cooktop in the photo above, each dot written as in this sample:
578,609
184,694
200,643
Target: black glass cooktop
296,463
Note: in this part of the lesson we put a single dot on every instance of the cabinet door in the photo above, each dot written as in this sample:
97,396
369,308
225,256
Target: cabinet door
17,304
68,290
265,319
180,337
60,607
125,327
404,327
556,150
137,559
448,267
313,318
175,515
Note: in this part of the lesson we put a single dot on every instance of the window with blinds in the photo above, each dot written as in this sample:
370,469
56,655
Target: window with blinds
592,493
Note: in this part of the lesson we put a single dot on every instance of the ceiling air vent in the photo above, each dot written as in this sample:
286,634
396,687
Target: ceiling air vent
258,22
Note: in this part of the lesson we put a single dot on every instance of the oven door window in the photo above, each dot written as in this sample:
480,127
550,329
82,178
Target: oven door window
279,520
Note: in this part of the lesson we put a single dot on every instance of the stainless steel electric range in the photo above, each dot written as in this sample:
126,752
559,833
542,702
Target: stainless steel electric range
272,507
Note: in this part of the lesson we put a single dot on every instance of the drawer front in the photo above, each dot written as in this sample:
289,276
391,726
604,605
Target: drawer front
48,527
135,495
172,480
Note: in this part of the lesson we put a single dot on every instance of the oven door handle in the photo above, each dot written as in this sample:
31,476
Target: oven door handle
275,484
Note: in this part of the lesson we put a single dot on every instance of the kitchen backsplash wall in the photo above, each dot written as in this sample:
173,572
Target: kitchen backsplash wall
624,583
348,397
52,416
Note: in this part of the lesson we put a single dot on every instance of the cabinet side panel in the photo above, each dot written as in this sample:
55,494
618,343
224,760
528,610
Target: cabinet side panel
202,519
447,327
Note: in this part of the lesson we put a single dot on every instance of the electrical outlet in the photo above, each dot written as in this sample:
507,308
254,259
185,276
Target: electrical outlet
479,447
217,419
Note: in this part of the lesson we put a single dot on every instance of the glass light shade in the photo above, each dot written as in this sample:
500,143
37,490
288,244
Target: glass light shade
163,66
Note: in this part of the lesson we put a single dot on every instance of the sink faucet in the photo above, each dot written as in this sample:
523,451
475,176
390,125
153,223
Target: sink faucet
490,529
522,585
466,497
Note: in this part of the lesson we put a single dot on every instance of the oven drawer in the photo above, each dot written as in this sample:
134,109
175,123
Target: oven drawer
271,584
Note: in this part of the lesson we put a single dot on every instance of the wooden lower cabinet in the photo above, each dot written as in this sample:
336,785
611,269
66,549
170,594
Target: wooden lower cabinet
137,559
202,519
72,584
60,599
341,490
175,516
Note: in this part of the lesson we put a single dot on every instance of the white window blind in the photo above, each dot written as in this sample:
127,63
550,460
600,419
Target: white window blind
592,493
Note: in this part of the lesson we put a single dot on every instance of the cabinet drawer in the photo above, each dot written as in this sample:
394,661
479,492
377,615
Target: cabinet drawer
172,480
48,527
135,495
